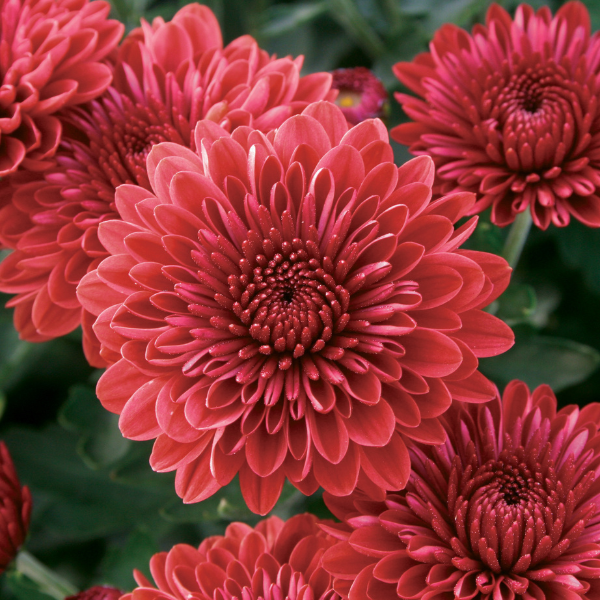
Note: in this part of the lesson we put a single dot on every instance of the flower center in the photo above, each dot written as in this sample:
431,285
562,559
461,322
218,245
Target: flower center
136,132
513,512
348,98
509,484
121,134
288,301
526,93
533,107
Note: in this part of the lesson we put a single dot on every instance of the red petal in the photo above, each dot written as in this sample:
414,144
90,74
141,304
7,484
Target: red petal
412,583
475,388
265,452
430,353
138,417
390,568
374,540
339,479
331,118
389,466
168,455
485,334
50,319
429,431
297,130
371,425
261,493
194,481
344,561
117,384
329,435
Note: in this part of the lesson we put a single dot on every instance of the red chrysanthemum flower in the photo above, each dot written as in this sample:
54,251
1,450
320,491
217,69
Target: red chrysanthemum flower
166,79
15,510
361,95
508,507
290,305
50,58
98,592
275,560
512,112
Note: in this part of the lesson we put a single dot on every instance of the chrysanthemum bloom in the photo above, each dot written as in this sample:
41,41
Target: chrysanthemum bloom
361,95
276,560
512,112
50,59
507,508
98,592
15,510
166,79
290,305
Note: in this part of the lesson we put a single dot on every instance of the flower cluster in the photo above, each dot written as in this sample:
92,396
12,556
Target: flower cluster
275,299
52,57
272,561
290,305
167,76
511,112
508,507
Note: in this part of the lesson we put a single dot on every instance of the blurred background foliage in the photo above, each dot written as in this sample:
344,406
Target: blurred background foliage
99,510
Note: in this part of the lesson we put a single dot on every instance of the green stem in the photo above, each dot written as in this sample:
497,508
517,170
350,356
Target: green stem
50,583
517,236
292,506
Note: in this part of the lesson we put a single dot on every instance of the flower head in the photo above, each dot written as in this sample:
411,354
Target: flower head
51,58
508,507
15,510
272,561
290,305
361,95
512,112
98,592
167,77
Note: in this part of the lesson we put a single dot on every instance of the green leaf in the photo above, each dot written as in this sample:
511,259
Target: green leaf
517,304
119,563
24,588
101,443
225,505
15,355
134,469
579,247
283,19
487,237
352,20
73,503
539,359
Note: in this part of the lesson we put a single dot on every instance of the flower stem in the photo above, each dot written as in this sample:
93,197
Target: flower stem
291,506
50,583
517,236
